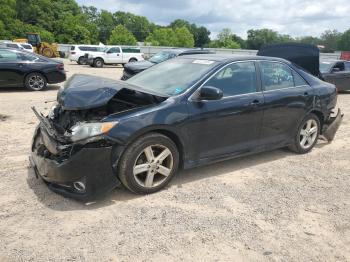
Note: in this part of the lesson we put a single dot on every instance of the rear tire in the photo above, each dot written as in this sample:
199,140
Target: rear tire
82,60
98,62
35,82
132,60
148,164
306,136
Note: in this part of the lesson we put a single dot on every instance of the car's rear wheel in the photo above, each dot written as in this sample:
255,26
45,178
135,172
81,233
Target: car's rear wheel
307,134
148,164
35,82
82,60
132,60
98,62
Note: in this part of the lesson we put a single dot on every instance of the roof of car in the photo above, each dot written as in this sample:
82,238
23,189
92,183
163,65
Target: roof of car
231,57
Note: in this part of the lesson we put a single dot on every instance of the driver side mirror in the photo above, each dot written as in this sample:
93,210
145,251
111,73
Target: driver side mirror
210,93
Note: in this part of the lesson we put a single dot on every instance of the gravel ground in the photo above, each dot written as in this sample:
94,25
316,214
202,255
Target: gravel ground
271,206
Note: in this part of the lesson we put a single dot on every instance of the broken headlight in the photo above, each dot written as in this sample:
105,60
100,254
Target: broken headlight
83,131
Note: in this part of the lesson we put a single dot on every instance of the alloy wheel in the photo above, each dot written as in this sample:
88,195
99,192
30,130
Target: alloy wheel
36,82
153,166
308,134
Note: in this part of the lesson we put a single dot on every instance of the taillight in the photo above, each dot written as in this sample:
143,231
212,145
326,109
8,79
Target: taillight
72,53
60,67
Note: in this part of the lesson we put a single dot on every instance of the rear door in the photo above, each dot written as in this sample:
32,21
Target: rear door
339,76
287,97
231,124
11,68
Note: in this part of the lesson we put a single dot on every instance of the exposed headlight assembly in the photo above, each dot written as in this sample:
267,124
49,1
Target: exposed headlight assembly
84,131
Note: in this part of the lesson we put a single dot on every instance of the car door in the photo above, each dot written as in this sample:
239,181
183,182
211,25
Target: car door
113,56
338,76
287,98
11,68
230,125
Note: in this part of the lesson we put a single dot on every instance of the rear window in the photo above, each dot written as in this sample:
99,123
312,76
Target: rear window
26,46
12,45
88,48
131,50
72,48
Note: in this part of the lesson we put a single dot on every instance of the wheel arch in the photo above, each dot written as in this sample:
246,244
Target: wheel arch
320,116
173,136
35,71
133,58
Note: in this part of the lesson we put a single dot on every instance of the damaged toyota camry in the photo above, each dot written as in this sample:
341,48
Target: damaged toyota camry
182,113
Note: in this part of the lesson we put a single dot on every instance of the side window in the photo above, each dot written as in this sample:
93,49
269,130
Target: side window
12,46
276,76
347,66
72,48
235,79
83,48
340,66
8,56
298,80
114,50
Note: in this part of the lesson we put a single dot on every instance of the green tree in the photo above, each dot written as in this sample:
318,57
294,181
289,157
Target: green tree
106,23
200,34
162,37
344,41
138,25
184,38
121,36
330,39
225,40
257,38
309,40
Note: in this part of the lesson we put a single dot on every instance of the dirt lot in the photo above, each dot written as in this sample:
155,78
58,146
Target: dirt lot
271,206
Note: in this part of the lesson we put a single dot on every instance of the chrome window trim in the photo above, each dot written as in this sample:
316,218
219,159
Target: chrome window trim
219,69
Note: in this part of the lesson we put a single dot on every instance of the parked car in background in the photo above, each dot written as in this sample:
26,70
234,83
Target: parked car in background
132,69
20,68
77,52
21,46
113,55
336,72
182,113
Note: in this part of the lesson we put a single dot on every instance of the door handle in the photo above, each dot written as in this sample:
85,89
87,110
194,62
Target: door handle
255,102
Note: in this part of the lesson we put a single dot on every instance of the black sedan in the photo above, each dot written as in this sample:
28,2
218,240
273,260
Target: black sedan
183,113
23,69
133,68
336,72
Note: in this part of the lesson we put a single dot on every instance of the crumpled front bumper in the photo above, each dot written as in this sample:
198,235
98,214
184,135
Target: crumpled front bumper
331,127
90,165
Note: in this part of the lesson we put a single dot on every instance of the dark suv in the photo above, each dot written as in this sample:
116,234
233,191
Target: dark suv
131,69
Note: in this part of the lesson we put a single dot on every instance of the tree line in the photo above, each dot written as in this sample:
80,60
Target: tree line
64,21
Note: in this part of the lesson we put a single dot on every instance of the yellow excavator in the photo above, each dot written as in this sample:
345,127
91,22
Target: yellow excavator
41,48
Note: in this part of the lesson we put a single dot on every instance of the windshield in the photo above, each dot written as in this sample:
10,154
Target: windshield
172,77
161,57
325,67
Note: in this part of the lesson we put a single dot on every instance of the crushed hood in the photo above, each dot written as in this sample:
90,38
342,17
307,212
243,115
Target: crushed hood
82,92
304,55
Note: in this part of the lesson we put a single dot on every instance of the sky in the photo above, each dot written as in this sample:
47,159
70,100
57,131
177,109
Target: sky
293,17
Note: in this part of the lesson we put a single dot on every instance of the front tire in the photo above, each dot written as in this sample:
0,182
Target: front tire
148,164
306,135
98,62
35,82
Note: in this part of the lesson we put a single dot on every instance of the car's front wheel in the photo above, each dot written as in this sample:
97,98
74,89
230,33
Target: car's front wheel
98,62
148,164
307,134
35,82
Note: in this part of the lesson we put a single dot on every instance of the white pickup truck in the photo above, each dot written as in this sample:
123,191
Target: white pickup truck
115,55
